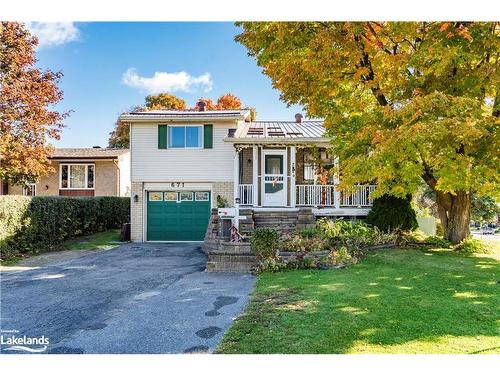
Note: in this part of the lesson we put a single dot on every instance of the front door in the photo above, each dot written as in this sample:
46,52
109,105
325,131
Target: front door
274,180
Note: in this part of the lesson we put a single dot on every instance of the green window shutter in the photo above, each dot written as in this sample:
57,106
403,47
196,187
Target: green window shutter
208,136
162,136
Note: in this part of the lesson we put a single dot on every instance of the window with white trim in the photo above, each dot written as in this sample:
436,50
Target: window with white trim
29,190
77,176
185,136
309,171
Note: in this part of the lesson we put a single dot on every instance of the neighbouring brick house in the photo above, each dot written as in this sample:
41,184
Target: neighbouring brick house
81,172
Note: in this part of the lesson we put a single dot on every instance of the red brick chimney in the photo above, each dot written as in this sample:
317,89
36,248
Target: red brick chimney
201,106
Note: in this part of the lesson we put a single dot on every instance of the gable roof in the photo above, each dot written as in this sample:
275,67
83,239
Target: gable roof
88,153
190,114
272,131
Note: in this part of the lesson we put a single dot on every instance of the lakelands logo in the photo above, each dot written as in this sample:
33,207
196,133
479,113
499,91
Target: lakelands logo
11,342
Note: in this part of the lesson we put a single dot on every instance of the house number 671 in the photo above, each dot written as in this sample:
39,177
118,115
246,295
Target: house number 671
177,184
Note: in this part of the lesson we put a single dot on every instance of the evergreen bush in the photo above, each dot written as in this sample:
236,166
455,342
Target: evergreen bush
391,213
41,224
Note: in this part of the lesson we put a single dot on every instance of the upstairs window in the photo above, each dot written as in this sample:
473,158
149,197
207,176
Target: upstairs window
77,176
185,137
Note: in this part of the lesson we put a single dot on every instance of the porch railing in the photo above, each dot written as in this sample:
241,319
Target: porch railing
360,197
245,194
316,195
327,195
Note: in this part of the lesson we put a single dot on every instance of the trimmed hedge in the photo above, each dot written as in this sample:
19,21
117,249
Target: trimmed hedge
390,213
41,224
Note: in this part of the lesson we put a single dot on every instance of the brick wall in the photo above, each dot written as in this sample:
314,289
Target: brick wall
106,178
299,167
136,212
224,189
247,167
106,181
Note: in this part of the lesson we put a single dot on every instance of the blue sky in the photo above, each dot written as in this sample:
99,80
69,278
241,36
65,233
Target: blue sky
95,59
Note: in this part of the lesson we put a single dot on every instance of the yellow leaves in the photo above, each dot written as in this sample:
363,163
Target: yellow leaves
360,72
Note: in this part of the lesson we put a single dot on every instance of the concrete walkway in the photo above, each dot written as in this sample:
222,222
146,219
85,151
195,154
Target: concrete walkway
136,298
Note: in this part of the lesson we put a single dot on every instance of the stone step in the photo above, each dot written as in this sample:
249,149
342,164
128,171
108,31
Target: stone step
230,262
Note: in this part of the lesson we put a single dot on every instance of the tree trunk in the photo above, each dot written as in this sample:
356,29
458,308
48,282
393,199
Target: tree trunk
454,212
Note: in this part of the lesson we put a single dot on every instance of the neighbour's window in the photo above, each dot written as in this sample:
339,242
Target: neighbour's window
186,196
185,136
155,196
29,190
170,195
77,176
202,196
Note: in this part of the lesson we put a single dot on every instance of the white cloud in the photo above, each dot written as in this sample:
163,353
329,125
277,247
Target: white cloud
164,81
53,33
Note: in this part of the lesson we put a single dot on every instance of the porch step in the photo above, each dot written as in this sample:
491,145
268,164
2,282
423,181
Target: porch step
281,221
284,221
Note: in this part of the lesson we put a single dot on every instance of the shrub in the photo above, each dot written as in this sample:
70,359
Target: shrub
438,242
270,265
392,213
472,246
39,224
340,256
353,233
265,242
221,202
300,243
413,237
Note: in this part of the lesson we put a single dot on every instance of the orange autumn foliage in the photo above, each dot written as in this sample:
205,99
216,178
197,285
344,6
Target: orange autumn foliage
27,95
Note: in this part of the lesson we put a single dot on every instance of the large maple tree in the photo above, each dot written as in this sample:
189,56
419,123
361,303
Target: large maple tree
402,101
27,118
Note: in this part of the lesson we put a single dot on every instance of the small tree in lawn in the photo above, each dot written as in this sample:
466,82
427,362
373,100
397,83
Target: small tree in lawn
403,102
27,94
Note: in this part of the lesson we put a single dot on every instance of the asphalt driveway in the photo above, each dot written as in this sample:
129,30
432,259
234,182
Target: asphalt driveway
136,298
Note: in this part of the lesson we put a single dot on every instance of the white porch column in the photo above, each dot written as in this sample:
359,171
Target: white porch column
236,179
236,174
293,173
335,183
255,177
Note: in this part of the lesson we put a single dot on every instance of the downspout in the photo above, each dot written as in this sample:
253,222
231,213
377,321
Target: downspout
118,177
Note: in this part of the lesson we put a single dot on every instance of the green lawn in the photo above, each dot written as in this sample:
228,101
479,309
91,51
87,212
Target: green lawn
98,241
394,301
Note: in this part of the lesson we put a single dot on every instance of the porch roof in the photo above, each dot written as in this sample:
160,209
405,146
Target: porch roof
279,132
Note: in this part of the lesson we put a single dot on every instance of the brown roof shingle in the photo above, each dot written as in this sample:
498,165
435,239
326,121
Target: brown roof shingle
88,153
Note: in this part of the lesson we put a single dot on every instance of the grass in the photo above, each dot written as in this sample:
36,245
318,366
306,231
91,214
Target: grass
98,241
394,301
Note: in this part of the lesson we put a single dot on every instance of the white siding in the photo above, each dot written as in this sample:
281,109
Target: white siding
124,166
149,163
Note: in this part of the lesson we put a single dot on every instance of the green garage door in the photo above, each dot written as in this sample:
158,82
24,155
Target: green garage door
178,215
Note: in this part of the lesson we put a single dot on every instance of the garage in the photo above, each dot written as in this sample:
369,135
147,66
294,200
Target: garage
177,215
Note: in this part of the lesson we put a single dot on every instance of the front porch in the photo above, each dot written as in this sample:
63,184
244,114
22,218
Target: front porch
270,177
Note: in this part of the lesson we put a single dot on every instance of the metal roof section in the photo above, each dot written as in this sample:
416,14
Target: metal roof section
193,114
279,131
